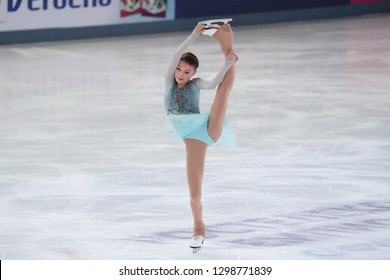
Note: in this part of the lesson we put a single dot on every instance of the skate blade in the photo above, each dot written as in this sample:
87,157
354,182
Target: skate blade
212,26
196,249
210,21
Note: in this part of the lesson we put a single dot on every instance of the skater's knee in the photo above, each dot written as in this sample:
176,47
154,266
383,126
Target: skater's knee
196,201
195,197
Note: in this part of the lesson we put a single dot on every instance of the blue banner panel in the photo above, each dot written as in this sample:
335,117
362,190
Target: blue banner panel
203,8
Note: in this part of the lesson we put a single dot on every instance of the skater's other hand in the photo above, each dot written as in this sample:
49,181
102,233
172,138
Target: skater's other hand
199,29
232,55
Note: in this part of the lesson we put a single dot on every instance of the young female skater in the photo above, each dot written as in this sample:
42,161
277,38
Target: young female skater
185,120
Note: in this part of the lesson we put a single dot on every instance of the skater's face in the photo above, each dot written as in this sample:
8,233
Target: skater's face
183,73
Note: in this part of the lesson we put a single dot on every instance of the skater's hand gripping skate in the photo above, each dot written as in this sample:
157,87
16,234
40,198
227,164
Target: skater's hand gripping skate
199,28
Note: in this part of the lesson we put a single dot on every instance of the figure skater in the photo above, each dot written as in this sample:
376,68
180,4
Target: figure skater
185,121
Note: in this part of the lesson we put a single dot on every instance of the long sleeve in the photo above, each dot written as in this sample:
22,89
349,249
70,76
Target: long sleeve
202,84
169,76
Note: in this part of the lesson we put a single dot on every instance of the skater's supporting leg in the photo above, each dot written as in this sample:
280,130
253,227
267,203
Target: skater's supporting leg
195,157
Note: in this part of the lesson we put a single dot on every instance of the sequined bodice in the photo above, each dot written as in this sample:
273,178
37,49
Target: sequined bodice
183,100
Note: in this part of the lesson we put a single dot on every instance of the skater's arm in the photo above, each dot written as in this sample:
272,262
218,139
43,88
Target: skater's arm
170,75
202,84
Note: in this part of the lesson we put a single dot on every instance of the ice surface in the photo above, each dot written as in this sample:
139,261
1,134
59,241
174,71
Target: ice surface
88,171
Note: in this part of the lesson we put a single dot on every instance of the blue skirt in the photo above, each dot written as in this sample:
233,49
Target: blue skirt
194,126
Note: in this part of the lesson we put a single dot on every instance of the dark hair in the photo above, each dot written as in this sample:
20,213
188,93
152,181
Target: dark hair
191,59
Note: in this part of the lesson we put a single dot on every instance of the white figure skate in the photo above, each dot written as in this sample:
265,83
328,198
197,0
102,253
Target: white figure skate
212,25
196,243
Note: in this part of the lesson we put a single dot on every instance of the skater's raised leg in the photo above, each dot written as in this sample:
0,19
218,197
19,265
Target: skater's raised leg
218,110
225,37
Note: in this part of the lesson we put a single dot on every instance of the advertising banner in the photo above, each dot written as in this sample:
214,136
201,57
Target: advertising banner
44,14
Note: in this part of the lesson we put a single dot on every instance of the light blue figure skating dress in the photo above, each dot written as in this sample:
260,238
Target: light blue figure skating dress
184,119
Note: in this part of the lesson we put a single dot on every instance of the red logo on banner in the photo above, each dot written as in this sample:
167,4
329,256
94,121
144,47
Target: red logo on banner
153,8
130,7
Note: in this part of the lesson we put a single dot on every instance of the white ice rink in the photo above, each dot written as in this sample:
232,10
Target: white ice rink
88,170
